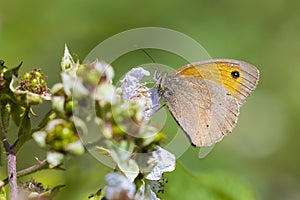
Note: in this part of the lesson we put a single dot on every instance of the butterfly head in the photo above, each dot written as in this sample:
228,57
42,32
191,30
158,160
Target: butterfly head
159,78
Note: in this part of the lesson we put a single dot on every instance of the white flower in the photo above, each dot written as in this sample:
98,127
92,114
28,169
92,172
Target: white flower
106,92
106,69
165,163
135,91
119,187
54,158
122,156
131,82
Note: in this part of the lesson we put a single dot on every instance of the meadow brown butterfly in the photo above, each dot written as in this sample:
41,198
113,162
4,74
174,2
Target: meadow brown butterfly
204,97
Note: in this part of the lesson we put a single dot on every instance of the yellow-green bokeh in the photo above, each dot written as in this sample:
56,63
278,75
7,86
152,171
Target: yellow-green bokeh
261,153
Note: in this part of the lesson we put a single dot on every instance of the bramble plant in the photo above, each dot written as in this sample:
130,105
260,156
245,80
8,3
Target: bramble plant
121,114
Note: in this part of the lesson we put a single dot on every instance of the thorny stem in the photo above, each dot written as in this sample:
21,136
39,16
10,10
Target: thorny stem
29,170
12,168
11,156
12,175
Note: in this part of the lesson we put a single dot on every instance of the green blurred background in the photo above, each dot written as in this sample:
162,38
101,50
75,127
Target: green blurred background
257,161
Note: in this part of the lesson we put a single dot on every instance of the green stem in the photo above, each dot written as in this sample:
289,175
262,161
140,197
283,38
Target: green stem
4,120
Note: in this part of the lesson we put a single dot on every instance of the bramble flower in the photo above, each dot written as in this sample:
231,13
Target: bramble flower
165,162
31,89
134,90
134,145
119,187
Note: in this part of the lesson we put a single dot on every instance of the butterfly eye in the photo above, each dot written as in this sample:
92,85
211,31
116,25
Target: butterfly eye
235,74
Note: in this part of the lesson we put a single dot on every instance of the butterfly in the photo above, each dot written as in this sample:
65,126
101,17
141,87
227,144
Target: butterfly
205,97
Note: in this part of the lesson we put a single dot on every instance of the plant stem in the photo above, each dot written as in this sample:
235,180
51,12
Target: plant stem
11,155
12,175
40,165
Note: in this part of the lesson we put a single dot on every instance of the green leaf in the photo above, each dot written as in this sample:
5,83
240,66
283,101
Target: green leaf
4,124
8,75
12,72
3,68
6,78
24,132
17,112
5,116
49,116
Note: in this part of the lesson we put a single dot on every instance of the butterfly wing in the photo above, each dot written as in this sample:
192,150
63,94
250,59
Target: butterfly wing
204,97
202,109
238,77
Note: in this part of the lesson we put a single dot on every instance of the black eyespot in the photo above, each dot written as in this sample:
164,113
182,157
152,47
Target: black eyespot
235,74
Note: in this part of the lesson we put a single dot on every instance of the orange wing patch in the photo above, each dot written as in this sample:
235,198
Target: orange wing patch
223,73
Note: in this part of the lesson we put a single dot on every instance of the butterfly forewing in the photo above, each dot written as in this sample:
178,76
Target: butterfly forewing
204,97
238,77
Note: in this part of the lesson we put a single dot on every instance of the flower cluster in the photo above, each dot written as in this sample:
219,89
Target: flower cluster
85,98
58,133
127,137
122,117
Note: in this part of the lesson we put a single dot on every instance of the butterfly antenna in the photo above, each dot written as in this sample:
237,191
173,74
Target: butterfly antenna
151,58
157,107
148,55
